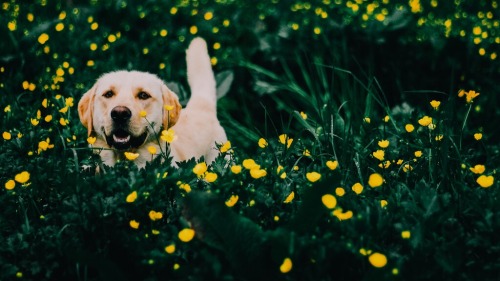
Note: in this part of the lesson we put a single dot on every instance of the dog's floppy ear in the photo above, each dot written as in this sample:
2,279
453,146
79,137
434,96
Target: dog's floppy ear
86,109
171,107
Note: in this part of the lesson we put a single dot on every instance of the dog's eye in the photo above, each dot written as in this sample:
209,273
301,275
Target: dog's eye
143,95
108,94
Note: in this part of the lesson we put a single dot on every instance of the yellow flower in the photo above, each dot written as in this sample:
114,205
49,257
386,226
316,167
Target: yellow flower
153,215
379,154
63,121
286,266
143,113
470,95
332,165
200,169
258,173
406,234
6,136
306,153
409,128
263,143
48,118
69,102
232,201
168,107
224,148
155,231
435,104
342,215
478,136
357,188
43,38
383,203
378,260
303,115
186,187
289,198
186,235
339,191
91,140
387,118
418,153
329,201
10,184
385,164
284,139
313,176
439,137
168,135
375,180
383,143
22,177
425,121
131,197
367,120
485,181
461,93
152,149
407,168
134,224
478,169
131,156
34,121
170,249
236,169
210,177
250,164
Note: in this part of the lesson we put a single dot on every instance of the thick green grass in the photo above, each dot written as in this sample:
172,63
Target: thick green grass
354,153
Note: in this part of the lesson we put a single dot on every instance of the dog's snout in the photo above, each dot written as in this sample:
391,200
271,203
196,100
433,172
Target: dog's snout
121,114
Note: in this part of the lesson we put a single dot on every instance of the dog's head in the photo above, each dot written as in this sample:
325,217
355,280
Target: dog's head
113,109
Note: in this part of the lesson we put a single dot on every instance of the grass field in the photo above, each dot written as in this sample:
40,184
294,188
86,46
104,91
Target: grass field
363,142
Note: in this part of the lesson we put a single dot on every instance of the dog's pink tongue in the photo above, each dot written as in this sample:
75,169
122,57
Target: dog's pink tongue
121,139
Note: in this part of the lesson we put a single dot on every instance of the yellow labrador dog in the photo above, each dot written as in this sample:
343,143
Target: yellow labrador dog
126,110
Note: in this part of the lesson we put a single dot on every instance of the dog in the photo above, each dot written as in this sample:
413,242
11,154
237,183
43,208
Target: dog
125,111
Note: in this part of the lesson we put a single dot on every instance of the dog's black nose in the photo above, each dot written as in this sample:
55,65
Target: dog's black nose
121,114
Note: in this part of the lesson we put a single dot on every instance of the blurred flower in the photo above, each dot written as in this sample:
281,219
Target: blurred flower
342,215
210,177
435,104
332,165
383,203
34,122
383,143
43,38
250,164
6,136
407,168
186,187
289,198
375,180
200,169
91,140
232,201
470,95
409,128
313,176
387,118
10,184
170,249
329,201
257,173
478,136
153,215
131,156
357,188
168,107
485,181
379,154
225,147
262,143
339,191
425,121
186,235
284,139
134,224
418,153
168,135
131,197
236,169
439,137
143,113
152,149
22,177
478,169
461,93
286,266
306,153
303,115
377,260
385,164
367,120
406,234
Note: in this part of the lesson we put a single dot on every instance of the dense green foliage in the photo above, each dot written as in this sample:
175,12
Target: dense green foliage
359,148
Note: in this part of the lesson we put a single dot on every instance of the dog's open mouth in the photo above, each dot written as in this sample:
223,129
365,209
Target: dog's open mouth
122,139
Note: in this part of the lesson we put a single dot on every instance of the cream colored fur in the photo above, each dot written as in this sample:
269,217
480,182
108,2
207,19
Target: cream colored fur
196,126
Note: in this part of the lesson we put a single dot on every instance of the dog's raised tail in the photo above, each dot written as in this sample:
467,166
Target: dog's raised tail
199,71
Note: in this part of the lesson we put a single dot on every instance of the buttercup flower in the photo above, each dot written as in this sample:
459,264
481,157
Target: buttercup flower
383,143
286,266
409,128
10,184
153,215
22,177
329,201
263,143
131,156
168,135
186,235
200,169
478,169
379,154
91,140
134,224
210,177
152,149
367,120
378,260
236,169
250,164
406,234
184,186
257,173
225,147
289,198
131,197
332,165
342,215
425,121
170,249
232,201
435,104
485,181
470,95
383,203
357,188
313,176
143,113
478,136
6,136
284,139
339,191
375,180
303,115
418,153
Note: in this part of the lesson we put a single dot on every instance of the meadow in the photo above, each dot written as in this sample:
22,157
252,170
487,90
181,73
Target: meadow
363,142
